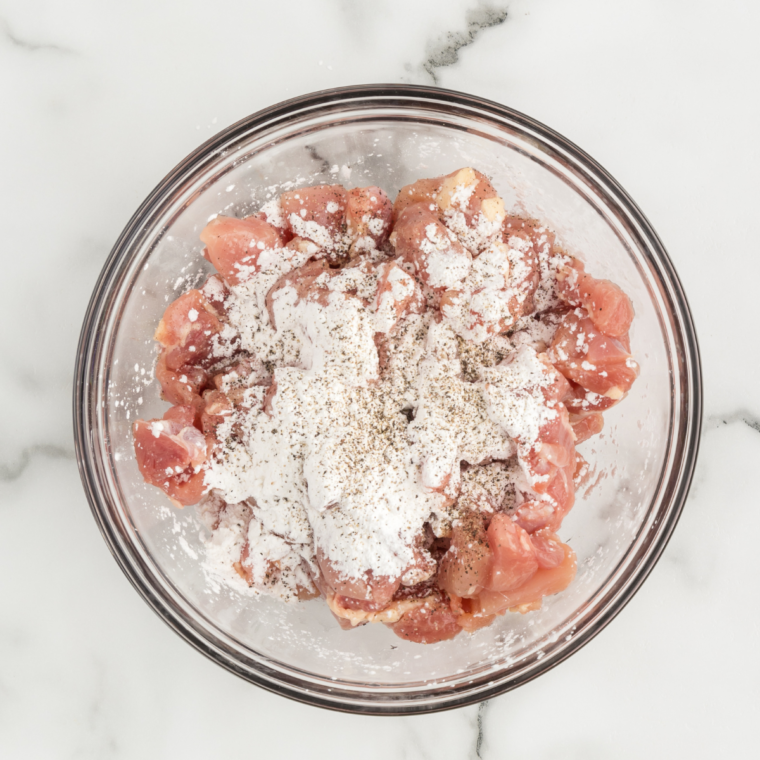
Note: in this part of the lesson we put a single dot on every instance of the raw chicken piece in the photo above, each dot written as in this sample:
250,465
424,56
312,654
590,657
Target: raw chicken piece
370,589
182,386
464,200
525,238
468,619
550,550
239,248
368,218
271,213
421,191
216,292
186,331
466,566
184,416
170,454
545,582
607,305
580,402
300,279
596,362
318,214
217,407
514,556
587,425
470,207
428,623
437,256
397,295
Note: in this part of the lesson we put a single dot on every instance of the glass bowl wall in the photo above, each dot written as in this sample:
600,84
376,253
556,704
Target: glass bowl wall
388,136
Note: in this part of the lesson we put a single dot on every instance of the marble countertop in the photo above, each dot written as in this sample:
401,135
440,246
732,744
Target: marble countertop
101,100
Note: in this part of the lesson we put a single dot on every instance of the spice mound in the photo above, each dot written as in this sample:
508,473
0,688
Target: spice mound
379,403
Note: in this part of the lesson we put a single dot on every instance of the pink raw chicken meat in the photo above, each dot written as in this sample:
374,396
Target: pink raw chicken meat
378,590
170,454
234,246
545,582
428,624
368,215
597,362
436,254
466,566
514,556
187,329
317,214
607,305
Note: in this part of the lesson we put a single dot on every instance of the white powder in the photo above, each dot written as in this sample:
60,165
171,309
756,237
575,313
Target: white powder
478,234
483,304
550,261
273,213
451,422
333,463
311,230
337,466
446,268
401,288
514,394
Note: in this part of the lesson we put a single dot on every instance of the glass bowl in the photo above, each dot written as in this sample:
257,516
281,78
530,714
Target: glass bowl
388,135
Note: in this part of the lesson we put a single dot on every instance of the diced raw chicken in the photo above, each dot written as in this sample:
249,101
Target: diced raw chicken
597,362
318,214
609,308
300,279
533,515
236,379
184,416
217,407
421,191
377,590
437,256
468,620
182,386
470,207
558,497
397,295
460,254
549,549
545,582
469,191
525,238
427,624
170,454
186,331
368,218
514,556
586,426
238,248
465,199
485,303
555,447
216,292
466,566
580,402
271,213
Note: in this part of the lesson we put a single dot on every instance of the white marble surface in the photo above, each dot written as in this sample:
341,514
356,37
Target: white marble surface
101,99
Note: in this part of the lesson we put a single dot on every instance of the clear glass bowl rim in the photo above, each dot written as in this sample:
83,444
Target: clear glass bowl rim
91,343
